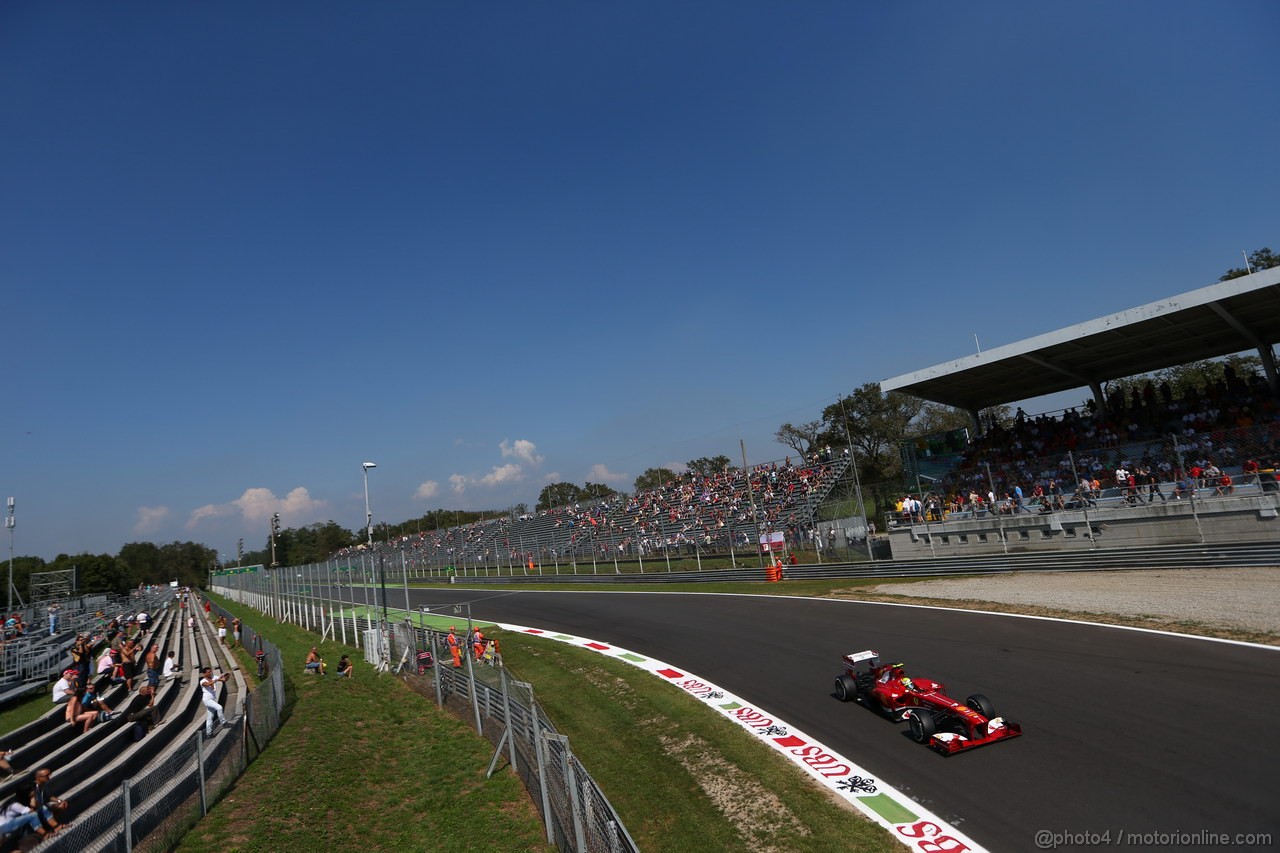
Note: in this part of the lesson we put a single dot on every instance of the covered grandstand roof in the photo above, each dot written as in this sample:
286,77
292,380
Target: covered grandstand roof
1224,318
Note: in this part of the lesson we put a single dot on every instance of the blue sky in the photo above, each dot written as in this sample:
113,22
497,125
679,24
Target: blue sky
247,246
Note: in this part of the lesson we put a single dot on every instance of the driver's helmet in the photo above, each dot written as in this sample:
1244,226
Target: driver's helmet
908,683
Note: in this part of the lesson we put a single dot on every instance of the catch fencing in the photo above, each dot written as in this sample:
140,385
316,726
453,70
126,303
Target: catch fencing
153,809
499,705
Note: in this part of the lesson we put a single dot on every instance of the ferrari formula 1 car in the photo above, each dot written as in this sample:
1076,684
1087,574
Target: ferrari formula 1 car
935,718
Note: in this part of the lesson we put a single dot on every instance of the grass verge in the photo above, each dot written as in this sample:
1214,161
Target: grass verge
364,764
681,776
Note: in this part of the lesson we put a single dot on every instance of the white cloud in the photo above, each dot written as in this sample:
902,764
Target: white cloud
522,449
503,474
149,518
199,514
429,489
600,473
257,504
500,475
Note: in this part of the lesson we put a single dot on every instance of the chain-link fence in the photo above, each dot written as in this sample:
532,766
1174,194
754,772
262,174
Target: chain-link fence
152,810
576,813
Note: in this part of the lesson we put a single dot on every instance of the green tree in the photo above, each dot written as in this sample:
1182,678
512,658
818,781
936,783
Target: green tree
186,562
711,466
655,478
1262,259
314,543
94,572
141,563
596,491
802,437
935,417
558,494
875,424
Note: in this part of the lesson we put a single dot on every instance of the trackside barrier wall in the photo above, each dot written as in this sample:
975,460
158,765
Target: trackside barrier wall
154,809
576,813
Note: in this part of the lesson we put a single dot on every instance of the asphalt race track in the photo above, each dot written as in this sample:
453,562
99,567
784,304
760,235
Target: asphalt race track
1124,731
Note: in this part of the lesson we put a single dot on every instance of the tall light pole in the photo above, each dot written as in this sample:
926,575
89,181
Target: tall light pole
9,523
368,514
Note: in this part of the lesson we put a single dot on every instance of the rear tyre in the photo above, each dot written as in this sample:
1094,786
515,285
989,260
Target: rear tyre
981,704
846,688
922,726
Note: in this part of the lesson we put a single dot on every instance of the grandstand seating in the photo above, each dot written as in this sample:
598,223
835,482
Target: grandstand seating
89,766
690,514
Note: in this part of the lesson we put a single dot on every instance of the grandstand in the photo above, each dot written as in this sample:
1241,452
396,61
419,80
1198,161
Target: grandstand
1170,446
90,767
692,515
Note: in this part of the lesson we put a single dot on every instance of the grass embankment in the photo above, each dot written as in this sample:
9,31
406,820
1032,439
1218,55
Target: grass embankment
681,776
364,764
371,764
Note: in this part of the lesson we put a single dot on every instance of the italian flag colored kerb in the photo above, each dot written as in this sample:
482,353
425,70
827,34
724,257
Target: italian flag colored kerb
911,823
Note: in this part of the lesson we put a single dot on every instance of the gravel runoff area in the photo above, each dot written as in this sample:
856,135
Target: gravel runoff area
1228,598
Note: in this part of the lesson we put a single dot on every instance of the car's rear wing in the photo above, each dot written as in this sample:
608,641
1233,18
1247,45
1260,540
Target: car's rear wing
858,657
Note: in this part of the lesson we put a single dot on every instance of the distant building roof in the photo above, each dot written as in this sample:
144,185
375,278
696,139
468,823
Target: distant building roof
1227,317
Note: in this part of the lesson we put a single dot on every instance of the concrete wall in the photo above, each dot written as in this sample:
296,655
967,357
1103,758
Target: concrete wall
1244,518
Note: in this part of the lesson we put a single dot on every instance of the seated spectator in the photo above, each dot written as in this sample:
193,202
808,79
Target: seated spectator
314,663
345,668
171,668
77,715
105,663
93,702
1224,486
6,768
19,819
145,717
45,804
66,686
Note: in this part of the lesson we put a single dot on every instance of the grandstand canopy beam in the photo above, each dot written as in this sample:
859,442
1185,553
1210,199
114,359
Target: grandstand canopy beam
1264,350
1214,321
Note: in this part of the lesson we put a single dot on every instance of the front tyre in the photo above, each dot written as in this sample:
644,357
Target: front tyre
922,726
981,704
846,689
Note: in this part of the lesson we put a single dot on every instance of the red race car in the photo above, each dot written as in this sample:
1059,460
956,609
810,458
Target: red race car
935,718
